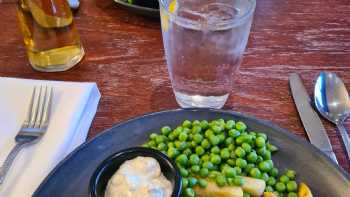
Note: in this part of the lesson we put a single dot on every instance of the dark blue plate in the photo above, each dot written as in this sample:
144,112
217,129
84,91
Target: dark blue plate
140,7
71,177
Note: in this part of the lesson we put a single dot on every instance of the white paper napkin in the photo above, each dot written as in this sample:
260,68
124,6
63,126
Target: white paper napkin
73,109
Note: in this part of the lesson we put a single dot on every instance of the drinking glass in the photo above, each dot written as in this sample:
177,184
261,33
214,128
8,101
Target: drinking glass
204,43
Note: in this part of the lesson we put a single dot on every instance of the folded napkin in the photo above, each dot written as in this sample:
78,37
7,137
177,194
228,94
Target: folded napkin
73,109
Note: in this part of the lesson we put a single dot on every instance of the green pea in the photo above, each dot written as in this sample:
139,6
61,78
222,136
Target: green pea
240,126
229,141
255,172
183,137
197,138
196,129
160,139
187,151
263,135
238,170
271,147
180,145
187,124
186,130
165,130
204,172
268,189
284,179
261,151
214,140
182,159
291,186
194,159
264,176
213,174
230,124
239,181
183,172
153,136
199,150
292,194
290,174
192,181
267,155
196,123
271,181
245,194
202,183
208,165
215,159
241,163
208,133
231,147
247,148
222,138
244,138
152,143
280,187
217,129
205,144
172,152
249,167
204,124
171,136
220,180
145,145
252,157
240,152
162,146
259,159
195,169
215,150
177,131
234,133
260,142
265,166
189,192
205,158
184,182
274,172
229,172
225,153
231,162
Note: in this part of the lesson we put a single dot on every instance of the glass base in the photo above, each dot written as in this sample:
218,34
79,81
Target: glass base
56,60
189,101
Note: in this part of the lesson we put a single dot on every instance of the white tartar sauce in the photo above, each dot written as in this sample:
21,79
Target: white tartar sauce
139,177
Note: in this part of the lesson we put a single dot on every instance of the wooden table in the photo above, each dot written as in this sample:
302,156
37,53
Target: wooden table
125,57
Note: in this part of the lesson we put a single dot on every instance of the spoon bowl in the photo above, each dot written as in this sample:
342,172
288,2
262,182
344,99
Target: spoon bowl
333,102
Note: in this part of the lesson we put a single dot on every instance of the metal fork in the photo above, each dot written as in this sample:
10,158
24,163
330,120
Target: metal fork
34,126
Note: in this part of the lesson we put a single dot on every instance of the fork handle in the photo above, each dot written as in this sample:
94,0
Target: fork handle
9,160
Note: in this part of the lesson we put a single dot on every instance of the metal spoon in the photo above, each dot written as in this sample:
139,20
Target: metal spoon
333,102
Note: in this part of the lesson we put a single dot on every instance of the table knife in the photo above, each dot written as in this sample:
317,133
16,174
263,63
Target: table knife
310,119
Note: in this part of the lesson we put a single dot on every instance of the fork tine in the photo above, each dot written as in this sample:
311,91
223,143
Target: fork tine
39,115
47,108
29,112
35,106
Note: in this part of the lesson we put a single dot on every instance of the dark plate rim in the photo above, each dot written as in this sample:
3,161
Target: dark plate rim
267,123
137,6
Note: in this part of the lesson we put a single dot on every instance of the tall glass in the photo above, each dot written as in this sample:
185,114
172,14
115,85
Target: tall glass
204,43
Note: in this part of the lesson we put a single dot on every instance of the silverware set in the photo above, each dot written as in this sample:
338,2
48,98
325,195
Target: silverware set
33,127
332,101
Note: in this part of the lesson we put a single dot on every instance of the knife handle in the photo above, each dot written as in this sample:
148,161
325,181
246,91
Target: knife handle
331,155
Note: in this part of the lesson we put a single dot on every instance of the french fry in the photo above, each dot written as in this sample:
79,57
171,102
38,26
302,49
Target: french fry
304,190
212,190
269,194
254,187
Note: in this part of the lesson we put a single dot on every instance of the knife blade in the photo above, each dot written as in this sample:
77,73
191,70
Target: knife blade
311,121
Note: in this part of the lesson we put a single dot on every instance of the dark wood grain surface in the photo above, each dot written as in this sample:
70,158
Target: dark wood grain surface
125,57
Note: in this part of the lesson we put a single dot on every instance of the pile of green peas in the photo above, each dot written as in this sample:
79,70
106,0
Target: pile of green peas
221,151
